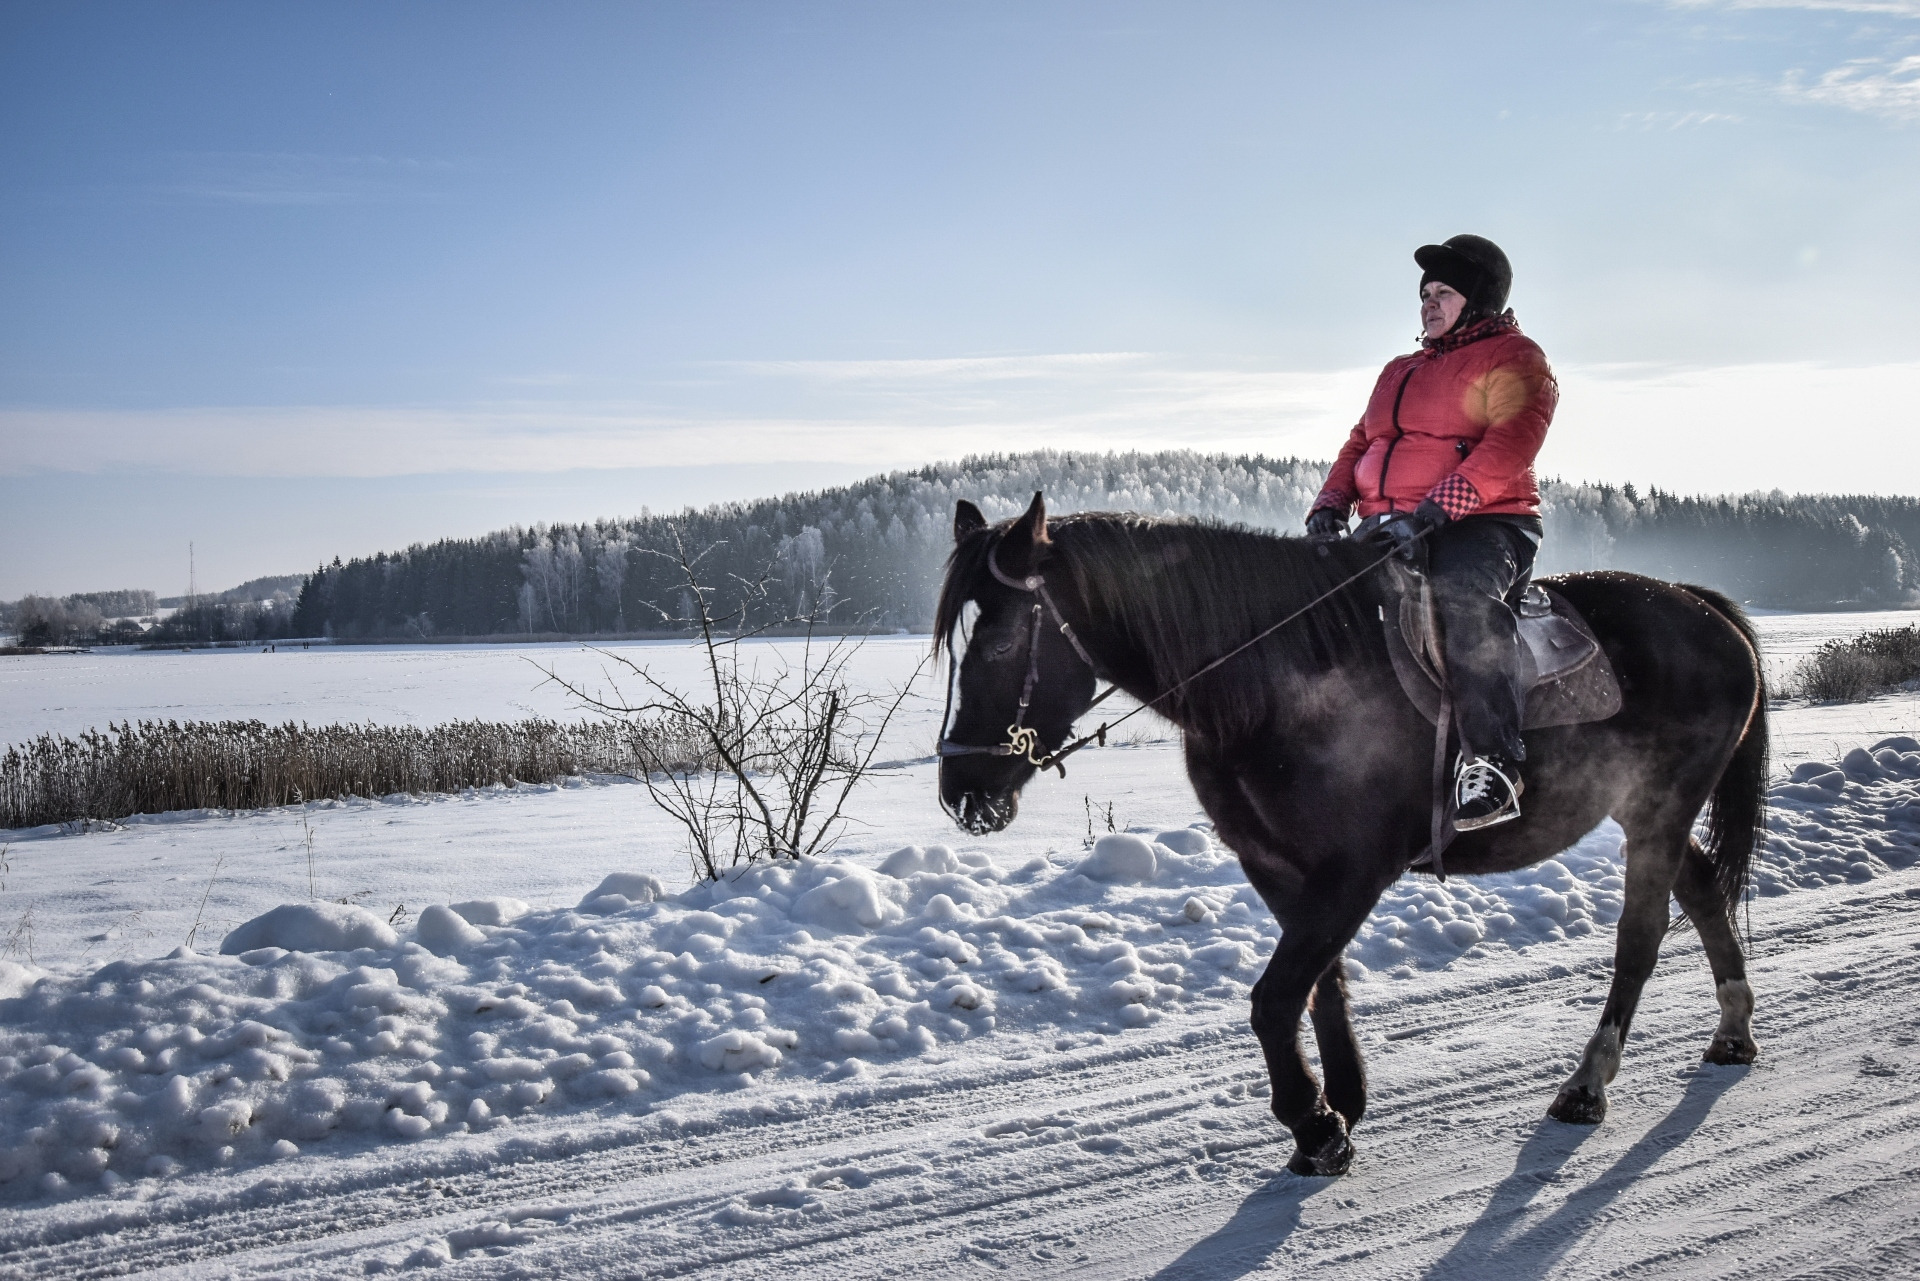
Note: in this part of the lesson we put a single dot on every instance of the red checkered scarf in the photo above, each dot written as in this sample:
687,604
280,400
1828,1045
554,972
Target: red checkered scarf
1456,338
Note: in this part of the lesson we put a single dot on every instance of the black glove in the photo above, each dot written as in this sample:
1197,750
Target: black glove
1408,531
1326,525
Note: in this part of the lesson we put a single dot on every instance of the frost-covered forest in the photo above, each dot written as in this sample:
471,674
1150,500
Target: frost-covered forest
874,549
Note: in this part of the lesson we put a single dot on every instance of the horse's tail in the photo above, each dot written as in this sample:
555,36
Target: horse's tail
1737,812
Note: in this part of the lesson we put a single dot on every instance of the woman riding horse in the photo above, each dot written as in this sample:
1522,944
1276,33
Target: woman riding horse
1445,453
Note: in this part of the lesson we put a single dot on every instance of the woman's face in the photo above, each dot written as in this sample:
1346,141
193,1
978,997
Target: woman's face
1440,306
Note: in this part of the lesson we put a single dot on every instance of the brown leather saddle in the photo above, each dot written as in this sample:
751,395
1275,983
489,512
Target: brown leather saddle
1562,667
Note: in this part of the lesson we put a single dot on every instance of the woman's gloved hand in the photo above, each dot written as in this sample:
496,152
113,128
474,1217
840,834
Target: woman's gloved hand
1326,525
1408,531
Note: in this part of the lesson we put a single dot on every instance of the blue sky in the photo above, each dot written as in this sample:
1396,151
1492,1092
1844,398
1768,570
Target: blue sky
297,281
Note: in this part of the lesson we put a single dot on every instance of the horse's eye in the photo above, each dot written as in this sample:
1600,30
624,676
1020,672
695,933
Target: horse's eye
1001,650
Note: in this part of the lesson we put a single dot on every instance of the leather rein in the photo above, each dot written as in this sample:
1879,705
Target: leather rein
1023,741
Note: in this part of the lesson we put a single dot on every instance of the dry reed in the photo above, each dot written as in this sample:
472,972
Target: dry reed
156,766
1859,667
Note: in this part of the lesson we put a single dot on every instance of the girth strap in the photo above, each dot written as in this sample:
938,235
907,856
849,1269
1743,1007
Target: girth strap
1440,829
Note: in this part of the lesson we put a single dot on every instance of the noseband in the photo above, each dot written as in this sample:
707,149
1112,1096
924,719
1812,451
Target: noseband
1023,741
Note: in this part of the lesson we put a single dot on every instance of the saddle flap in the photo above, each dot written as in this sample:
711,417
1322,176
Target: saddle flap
1564,672
1557,645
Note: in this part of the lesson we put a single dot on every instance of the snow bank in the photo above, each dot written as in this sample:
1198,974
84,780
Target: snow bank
319,1026
311,927
1845,823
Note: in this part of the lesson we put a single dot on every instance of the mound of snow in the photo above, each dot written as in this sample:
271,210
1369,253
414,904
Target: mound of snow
802,970
1122,858
17,979
852,899
491,911
1190,841
916,858
1833,825
621,890
311,927
443,931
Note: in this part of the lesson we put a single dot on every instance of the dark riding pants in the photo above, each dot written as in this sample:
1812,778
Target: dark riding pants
1476,564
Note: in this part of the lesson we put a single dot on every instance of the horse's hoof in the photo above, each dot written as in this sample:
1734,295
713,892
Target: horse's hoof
1730,1050
1579,1107
1325,1164
1321,1148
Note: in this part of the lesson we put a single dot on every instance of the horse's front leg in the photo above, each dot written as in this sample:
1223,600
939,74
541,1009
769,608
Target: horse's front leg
1344,1067
1306,965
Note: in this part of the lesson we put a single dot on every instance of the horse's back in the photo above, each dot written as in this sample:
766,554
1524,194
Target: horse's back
1661,635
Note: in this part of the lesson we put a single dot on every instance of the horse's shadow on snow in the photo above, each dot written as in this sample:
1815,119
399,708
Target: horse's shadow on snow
1244,1243
1495,1246
1491,1247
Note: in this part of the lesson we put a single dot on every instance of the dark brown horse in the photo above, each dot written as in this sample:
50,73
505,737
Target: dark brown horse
1315,768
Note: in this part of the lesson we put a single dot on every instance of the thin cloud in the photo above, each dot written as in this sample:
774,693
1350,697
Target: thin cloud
1669,121
884,413
1888,88
1657,424
1896,8
945,369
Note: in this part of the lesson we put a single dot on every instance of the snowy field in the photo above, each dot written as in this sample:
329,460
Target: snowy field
1024,1053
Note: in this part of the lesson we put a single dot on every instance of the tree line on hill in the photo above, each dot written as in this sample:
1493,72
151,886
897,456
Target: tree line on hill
872,551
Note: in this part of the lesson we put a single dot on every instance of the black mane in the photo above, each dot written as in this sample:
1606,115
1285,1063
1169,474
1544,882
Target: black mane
1185,591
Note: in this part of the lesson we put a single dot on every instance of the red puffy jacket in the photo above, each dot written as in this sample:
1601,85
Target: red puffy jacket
1458,422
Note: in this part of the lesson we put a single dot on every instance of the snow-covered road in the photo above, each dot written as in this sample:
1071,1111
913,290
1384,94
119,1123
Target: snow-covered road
1154,1155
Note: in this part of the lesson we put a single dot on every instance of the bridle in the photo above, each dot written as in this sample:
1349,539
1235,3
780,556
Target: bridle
1023,742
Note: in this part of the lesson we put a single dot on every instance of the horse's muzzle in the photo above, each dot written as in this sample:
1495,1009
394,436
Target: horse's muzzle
979,813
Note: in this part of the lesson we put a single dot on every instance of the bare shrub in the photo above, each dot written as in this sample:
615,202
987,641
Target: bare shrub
784,742
156,766
1859,667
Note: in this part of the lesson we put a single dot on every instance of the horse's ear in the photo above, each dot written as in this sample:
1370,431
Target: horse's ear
1024,545
966,520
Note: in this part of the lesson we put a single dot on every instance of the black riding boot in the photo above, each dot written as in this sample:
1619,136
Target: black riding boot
1474,564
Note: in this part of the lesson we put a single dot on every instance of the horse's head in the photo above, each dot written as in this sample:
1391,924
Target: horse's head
1016,653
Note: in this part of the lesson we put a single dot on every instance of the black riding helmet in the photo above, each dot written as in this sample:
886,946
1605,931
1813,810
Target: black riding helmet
1473,265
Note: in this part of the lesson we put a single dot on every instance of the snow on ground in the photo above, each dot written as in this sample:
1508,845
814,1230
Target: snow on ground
139,889
495,1034
1017,1052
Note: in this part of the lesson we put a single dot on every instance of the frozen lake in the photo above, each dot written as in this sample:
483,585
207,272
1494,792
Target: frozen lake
431,684
384,684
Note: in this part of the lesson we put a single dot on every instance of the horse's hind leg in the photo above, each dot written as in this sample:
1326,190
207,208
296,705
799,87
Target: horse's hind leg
1653,862
1700,898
